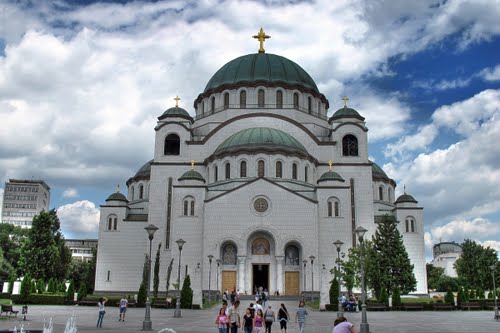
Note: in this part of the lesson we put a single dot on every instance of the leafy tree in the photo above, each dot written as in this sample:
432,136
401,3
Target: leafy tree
351,268
78,272
449,298
384,296
169,273
186,293
70,294
396,297
388,264
448,282
6,268
473,266
43,253
156,276
434,275
11,239
334,291
91,272
25,288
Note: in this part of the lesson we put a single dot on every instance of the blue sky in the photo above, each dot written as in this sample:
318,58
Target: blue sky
82,82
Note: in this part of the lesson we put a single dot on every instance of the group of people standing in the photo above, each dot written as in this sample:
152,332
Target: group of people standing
101,303
256,319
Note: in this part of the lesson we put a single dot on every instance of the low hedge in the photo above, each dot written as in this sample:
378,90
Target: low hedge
331,307
112,300
47,299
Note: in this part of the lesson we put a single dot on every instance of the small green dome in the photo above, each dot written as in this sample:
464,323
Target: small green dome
261,67
406,198
192,175
145,170
330,175
261,138
346,112
378,172
117,196
175,112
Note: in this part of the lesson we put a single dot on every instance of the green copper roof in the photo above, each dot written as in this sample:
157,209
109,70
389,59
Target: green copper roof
330,175
259,137
406,198
191,174
145,170
117,196
346,112
265,67
378,172
176,111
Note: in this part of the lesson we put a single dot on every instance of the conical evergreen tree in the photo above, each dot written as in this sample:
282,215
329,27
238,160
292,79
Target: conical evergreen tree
449,298
391,265
156,275
186,293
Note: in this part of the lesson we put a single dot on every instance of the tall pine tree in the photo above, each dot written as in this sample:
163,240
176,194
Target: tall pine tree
392,267
156,276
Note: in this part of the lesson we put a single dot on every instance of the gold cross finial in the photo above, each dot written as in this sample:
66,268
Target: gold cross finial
177,99
345,99
192,164
261,37
404,189
118,188
330,163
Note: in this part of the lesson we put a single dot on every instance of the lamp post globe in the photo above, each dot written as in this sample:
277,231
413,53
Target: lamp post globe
147,325
210,258
364,327
340,310
177,313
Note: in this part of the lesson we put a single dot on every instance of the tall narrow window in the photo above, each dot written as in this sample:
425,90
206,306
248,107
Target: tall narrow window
306,173
202,108
329,208
115,223
279,169
109,276
309,104
226,100
296,100
294,171
141,191
216,173
412,224
132,193
260,169
319,107
261,98
228,171
186,206
243,99
337,212
381,193
243,169
349,145
407,225
212,104
192,208
389,194
110,223
279,99
172,145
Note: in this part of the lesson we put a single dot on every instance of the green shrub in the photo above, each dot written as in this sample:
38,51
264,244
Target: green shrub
331,307
448,298
62,287
480,293
40,286
82,292
70,294
11,284
461,296
384,297
25,288
142,295
472,295
334,291
396,297
45,299
186,293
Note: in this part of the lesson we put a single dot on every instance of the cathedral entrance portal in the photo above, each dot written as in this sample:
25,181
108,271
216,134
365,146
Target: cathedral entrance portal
260,276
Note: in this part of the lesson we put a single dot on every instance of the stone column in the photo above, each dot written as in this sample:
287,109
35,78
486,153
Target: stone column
241,273
197,284
279,273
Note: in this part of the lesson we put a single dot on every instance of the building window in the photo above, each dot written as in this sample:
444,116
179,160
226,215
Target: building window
412,225
110,223
381,193
131,193
243,99
109,276
337,211
350,145
279,99
226,100
279,169
330,208
216,173
202,108
228,170
260,169
229,254
292,255
261,98
306,173
243,169
192,208
294,171
389,194
296,100
172,145
309,104
115,223
188,206
141,191
212,104
333,207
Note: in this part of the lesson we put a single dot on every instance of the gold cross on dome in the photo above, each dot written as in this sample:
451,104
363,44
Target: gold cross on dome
345,99
192,164
330,163
404,189
261,37
118,188
177,99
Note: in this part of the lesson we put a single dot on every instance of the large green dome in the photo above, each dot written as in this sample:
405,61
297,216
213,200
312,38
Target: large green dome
261,68
264,138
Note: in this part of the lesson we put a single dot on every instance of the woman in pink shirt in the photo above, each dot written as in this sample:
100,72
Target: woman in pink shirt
341,325
221,321
258,322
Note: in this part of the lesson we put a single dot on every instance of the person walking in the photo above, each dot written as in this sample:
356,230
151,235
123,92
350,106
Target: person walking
269,318
102,312
300,316
234,317
341,325
283,318
123,308
248,321
258,322
221,321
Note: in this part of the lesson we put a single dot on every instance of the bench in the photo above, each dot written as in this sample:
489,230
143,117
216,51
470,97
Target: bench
442,306
163,303
470,305
88,302
376,306
8,310
412,306
489,305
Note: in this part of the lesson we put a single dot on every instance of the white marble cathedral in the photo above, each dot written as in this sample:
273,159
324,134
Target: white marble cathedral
262,180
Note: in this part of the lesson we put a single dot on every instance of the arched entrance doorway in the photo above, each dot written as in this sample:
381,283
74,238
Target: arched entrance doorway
261,262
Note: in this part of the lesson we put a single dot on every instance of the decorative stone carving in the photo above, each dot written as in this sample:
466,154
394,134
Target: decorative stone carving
260,246
229,254
292,255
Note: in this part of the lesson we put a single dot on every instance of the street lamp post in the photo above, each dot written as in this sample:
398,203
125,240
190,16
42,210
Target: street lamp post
177,313
497,315
312,276
210,257
364,327
147,325
340,311
218,264
305,262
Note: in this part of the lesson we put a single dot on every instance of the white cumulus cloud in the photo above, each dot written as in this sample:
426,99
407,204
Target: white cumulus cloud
491,74
79,219
70,193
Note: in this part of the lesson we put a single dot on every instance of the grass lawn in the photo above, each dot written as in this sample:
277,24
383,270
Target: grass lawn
313,304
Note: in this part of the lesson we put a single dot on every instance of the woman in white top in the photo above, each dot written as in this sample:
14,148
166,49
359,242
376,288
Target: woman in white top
100,304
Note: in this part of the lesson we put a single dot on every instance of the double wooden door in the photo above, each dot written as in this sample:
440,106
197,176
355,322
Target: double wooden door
228,280
292,283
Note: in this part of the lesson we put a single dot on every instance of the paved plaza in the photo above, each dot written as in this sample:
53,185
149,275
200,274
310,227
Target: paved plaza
203,320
